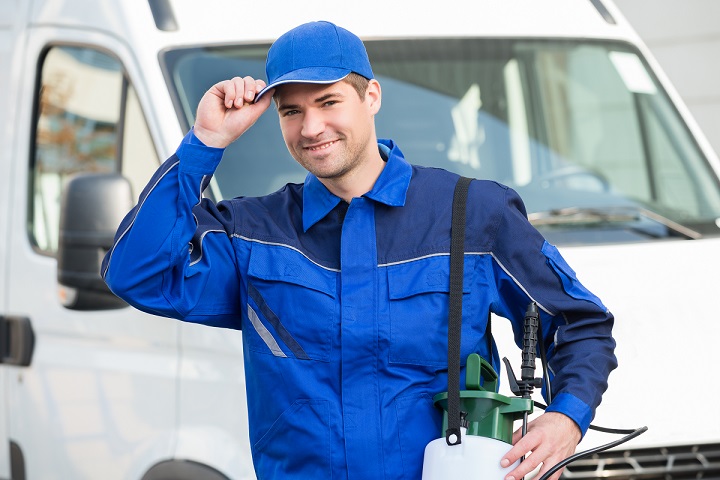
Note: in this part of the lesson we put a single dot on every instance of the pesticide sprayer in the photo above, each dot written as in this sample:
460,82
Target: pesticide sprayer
478,422
486,417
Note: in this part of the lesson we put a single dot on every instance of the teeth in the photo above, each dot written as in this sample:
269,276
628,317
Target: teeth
322,147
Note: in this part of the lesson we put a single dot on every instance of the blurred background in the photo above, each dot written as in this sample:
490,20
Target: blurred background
684,36
610,170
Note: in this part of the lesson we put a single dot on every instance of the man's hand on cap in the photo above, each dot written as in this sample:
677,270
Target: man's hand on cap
226,111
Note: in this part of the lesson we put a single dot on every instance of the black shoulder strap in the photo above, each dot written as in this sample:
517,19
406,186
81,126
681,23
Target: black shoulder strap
457,261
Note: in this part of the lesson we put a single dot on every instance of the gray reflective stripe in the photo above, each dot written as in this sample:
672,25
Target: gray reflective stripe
198,255
521,286
275,322
136,209
442,254
264,333
248,239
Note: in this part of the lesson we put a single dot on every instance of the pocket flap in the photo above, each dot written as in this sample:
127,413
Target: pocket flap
428,275
570,283
285,264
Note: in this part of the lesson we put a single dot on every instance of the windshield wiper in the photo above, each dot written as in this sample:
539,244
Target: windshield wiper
580,215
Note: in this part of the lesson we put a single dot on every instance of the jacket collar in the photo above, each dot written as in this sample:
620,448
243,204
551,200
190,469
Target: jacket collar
389,189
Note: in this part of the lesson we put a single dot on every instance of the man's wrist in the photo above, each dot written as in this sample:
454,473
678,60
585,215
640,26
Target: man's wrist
573,408
209,138
572,424
196,157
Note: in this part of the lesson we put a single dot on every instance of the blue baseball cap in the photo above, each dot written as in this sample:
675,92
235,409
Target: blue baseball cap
315,52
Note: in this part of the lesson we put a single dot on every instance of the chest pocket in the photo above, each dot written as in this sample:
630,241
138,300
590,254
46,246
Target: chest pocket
291,304
419,299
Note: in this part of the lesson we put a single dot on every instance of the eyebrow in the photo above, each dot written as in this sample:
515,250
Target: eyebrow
320,99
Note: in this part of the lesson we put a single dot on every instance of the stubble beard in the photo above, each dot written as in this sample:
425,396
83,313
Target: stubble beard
339,163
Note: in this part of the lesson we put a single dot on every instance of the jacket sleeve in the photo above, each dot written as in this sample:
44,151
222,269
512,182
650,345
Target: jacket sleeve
173,252
576,326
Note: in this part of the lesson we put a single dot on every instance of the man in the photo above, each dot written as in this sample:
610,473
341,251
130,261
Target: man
340,285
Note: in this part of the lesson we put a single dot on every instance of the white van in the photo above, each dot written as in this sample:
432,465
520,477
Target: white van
556,98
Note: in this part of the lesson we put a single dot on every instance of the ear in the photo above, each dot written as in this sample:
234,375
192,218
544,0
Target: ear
373,95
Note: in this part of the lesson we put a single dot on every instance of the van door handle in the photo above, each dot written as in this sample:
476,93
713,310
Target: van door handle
17,340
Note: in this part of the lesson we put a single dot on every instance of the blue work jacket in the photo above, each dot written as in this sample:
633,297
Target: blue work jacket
345,306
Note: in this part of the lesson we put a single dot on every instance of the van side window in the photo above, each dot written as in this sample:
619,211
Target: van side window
138,159
88,120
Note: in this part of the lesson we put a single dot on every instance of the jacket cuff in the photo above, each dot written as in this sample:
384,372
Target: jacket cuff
573,407
197,158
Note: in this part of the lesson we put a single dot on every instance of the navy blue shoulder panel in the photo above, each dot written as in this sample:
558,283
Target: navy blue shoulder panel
422,226
277,218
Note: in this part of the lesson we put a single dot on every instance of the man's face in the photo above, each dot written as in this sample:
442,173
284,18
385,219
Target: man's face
329,129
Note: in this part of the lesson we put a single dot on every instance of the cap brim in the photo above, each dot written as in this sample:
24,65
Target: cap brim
319,75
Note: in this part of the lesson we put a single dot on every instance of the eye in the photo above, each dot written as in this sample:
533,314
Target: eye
290,113
330,103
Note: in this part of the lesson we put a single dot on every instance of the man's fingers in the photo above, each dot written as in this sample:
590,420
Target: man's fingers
250,89
238,91
233,92
547,465
531,442
551,437
522,446
517,435
530,463
228,109
228,89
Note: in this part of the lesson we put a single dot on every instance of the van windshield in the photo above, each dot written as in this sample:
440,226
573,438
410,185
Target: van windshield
581,129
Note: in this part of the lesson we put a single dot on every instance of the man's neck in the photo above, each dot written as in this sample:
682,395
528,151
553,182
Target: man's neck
359,181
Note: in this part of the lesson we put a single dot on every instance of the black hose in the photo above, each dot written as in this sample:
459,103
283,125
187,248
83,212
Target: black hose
616,431
586,453
545,369
549,395
629,434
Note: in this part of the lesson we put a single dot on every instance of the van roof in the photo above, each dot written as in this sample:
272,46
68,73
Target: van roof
235,21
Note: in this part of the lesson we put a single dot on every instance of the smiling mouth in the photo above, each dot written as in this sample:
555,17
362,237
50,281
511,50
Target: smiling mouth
316,148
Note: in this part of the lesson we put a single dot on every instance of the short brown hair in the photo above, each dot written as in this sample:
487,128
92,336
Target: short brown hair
358,82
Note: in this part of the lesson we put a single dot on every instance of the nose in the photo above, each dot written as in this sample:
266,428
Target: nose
313,124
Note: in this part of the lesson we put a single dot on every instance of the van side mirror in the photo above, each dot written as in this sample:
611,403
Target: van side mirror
92,207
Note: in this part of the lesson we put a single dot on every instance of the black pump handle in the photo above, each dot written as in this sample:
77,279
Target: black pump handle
530,339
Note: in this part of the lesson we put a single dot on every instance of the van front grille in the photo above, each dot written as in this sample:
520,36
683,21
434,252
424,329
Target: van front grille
666,463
